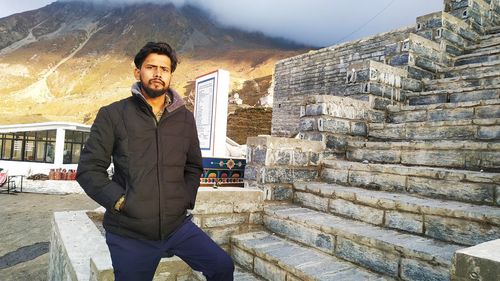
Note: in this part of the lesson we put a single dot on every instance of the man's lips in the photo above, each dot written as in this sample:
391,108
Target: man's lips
157,81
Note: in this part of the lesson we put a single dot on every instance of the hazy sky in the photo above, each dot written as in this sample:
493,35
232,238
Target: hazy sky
314,22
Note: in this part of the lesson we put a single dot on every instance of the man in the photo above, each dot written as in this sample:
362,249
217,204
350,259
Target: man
153,140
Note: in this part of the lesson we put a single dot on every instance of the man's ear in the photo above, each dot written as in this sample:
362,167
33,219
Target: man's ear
137,73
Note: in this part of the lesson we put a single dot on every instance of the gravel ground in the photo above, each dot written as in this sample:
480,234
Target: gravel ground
25,227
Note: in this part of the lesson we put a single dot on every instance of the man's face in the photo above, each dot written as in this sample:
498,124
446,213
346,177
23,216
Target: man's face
155,74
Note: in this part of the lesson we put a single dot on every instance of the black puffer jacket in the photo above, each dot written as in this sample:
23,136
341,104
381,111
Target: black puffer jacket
157,166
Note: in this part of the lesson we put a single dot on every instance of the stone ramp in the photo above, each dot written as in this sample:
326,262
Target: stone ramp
278,259
385,251
460,185
451,221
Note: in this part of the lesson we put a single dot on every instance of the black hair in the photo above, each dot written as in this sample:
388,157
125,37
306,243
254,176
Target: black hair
160,48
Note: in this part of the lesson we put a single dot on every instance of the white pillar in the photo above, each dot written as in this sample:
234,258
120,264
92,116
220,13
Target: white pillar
59,150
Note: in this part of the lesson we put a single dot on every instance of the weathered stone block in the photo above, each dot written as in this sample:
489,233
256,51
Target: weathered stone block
243,258
463,191
377,181
268,270
300,158
451,114
279,192
311,200
490,111
256,218
358,129
416,270
428,99
489,132
309,236
281,157
444,132
307,124
460,230
379,156
358,212
477,263
259,155
404,221
224,220
338,126
222,235
332,175
371,258
336,142
446,158
251,172
411,116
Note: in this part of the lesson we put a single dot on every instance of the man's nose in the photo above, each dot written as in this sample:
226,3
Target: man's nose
157,72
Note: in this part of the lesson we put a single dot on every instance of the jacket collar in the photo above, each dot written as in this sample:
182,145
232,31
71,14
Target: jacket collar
176,103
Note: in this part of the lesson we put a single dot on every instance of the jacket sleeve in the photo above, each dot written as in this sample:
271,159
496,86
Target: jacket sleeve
194,167
95,159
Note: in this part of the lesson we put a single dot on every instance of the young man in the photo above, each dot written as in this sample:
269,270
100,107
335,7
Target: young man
152,139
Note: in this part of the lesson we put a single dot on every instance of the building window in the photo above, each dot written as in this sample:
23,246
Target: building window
73,145
7,140
33,146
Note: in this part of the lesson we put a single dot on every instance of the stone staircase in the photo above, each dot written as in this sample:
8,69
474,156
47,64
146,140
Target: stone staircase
410,171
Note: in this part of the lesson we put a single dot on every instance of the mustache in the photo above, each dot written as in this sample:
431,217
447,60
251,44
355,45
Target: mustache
156,80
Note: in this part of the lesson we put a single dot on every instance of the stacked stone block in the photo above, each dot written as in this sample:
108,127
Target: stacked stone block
322,72
409,174
274,164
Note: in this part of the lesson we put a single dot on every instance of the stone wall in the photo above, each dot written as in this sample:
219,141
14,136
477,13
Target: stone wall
322,72
79,252
274,164
249,122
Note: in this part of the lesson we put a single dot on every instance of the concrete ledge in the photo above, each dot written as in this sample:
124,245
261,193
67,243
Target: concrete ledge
481,262
79,252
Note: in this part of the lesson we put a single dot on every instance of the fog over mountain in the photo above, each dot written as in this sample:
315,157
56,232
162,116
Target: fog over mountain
312,22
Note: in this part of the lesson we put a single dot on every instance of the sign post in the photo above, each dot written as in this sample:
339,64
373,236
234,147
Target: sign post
210,112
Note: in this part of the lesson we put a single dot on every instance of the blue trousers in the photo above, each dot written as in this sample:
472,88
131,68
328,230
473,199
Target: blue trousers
136,260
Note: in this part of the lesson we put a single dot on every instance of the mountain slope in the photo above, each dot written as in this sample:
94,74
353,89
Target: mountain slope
67,59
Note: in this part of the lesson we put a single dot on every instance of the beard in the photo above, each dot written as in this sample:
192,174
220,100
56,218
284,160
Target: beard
154,93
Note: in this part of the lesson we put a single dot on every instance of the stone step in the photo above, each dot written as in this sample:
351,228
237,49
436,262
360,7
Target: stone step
240,274
278,259
442,153
487,55
449,221
485,41
399,255
444,111
468,69
465,129
474,93
460,185
489,79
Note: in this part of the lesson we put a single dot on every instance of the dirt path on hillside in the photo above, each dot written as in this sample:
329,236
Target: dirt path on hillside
25,228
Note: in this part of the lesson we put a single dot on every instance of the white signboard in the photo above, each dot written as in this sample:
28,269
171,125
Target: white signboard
210,112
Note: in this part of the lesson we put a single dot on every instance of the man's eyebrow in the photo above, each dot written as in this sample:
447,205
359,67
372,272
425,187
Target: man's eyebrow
162,66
